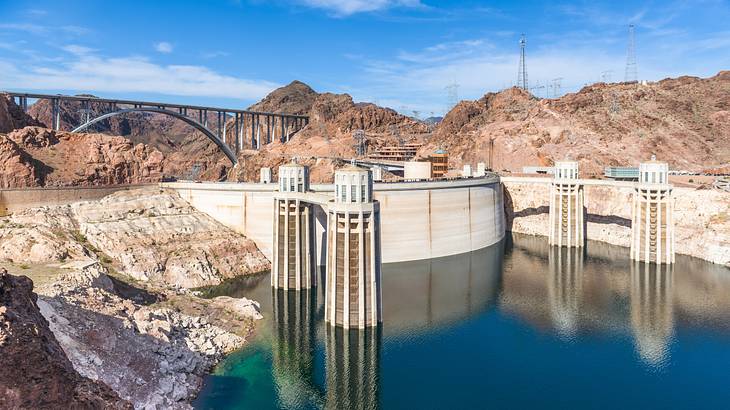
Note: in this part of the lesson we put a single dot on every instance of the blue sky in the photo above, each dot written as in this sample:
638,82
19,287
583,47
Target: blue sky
397,53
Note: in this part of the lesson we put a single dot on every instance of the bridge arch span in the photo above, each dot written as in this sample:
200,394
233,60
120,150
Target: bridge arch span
200,127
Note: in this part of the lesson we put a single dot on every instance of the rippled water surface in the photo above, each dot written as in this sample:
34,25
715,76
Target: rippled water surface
516,325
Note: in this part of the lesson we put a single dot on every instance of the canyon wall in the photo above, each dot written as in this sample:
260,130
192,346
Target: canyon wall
702,217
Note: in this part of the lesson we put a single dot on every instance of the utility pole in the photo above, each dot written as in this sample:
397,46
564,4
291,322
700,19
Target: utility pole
631,74
522,70
606,76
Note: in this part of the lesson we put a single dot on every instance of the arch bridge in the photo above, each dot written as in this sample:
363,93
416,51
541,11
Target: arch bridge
232,130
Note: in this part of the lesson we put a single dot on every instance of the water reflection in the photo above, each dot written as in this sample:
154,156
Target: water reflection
293,347
565,288
439,292
652,311
353,368
517,310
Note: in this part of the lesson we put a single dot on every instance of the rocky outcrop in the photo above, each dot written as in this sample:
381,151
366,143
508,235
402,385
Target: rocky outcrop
37,156
17,167
702,217
12,116
683,121
151,356
152,235
35,371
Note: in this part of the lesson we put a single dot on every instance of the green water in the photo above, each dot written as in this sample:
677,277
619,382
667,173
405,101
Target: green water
517,325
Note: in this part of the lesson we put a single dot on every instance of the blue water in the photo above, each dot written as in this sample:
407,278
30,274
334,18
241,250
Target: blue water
517,325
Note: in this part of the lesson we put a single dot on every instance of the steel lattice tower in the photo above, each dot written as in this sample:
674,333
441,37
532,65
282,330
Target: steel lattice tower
522,72
631,75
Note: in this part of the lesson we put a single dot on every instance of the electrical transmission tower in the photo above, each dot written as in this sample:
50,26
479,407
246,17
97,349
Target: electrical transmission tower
556,86
522,71
452,96
631,75
360,148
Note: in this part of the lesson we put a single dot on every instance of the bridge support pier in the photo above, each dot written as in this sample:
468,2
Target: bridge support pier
567,226
652,222
353,295
292,262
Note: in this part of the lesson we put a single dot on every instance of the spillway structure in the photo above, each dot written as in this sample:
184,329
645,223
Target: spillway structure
652,222
566,219
292,262
353,295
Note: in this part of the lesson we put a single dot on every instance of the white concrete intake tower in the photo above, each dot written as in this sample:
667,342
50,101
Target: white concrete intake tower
352,297
566,206
292,264
652,233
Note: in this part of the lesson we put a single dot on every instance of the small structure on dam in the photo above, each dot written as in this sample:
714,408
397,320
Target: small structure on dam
352,297
566,206
652,222
292,264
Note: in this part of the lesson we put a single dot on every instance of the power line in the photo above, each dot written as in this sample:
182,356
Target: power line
631,75
522,70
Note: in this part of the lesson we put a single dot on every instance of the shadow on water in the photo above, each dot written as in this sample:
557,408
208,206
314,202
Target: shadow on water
473,330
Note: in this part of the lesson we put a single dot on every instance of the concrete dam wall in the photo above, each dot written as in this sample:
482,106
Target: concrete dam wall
419,220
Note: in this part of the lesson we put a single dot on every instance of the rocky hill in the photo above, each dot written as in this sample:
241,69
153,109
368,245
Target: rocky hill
685,121
329,135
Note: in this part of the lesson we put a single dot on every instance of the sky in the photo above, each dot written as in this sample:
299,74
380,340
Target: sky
414,56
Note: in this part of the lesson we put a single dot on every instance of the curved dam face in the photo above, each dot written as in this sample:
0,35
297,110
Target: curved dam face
419,220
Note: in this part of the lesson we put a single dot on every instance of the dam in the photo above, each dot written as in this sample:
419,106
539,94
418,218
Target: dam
420,220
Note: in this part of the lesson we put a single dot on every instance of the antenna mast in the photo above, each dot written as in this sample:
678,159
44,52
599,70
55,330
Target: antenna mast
522,72
631,75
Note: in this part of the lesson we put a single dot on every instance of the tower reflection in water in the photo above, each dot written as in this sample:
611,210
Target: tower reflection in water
353,366
652,310
565,288
352,357
294,346
594,291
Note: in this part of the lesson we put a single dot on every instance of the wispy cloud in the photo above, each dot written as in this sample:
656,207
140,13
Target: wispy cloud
45,30
164,47
25,27
88,72
36,12
77,49
214,54
343,8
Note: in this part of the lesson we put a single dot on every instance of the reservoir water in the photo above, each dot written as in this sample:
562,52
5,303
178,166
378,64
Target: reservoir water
516,325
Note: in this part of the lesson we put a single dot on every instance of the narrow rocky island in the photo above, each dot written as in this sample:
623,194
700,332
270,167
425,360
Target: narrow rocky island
114,307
